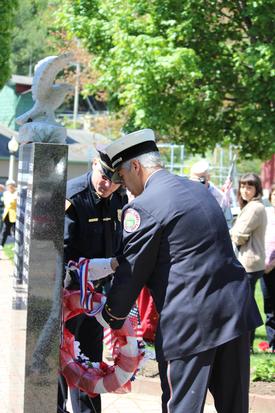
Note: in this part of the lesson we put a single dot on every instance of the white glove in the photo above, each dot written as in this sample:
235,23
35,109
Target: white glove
101,320
99,268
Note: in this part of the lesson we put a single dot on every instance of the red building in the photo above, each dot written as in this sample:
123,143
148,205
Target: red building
268,173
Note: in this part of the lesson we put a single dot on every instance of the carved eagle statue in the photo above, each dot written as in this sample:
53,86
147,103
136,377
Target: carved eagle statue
47,95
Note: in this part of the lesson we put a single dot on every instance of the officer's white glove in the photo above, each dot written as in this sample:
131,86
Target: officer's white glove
101,320
99,268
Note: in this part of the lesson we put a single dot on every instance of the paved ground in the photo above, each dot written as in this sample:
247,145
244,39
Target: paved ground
12,361
144,398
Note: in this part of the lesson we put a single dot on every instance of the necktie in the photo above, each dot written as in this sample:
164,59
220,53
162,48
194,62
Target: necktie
107,228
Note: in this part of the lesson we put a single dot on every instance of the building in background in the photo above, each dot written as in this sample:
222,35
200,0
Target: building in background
82,149
15,99
268,173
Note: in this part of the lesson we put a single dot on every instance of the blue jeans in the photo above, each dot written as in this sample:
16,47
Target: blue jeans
268,290
253,277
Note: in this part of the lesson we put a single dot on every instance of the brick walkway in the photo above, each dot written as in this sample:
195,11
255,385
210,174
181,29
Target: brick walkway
146,392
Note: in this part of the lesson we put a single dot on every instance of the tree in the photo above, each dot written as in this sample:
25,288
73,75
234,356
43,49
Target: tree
199,72
31,39
7,9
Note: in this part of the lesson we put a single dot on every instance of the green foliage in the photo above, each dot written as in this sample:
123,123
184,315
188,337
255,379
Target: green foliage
7,10
9,251
31,35
265,369
249,165
198,72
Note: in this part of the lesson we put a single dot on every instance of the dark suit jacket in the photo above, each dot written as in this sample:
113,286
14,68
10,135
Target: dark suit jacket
182,251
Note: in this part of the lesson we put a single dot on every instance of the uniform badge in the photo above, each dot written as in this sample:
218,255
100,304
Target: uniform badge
131,220
119,212
67,204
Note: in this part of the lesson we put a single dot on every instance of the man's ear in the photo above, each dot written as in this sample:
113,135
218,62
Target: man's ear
94,163
136,165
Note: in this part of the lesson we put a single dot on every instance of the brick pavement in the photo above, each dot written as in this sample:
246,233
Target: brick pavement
12,360
146,392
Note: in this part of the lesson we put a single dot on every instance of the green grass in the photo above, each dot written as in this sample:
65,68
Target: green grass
8,249
259,357
260,334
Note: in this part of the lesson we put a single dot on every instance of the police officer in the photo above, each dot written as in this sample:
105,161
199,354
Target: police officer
176,241
92,230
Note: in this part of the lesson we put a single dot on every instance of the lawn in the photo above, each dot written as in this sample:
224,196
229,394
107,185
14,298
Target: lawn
260,331
9,250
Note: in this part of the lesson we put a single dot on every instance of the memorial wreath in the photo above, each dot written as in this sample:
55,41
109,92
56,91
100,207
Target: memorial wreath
96,377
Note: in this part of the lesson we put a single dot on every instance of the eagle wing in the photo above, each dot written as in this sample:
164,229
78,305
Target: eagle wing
46,71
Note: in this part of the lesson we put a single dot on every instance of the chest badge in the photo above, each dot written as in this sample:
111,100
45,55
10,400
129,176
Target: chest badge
119,212
131,220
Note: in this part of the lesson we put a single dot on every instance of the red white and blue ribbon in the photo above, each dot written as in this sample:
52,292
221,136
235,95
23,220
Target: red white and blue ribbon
96,378
87,289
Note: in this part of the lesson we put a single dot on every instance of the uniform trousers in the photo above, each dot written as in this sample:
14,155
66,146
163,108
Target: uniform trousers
253,277
224,370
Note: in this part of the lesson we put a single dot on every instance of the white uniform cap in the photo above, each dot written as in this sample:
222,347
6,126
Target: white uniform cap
200,167
131,145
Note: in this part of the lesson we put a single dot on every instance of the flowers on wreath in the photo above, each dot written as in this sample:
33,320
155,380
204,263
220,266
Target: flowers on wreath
96,377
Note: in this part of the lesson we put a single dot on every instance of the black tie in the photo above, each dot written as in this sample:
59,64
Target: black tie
107,228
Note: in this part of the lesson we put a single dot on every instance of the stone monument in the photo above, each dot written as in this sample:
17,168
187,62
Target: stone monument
39,124
42,175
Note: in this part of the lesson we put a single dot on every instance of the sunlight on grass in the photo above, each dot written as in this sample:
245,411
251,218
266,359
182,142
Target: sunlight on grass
9,250
260,334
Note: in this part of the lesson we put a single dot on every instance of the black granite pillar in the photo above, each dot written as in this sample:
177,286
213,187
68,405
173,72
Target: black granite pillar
42,179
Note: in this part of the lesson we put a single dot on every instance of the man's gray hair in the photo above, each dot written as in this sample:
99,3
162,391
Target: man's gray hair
150,160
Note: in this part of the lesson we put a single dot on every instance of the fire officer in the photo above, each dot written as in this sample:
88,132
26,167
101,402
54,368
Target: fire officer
176,242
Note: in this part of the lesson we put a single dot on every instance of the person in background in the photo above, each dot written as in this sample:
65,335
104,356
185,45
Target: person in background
176,242
2,189
92,230
200,172
268,279
9,214
248,232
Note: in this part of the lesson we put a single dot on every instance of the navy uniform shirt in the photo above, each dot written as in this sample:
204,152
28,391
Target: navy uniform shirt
92,224
176,241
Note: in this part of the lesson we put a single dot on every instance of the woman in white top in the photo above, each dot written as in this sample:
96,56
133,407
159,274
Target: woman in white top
248,232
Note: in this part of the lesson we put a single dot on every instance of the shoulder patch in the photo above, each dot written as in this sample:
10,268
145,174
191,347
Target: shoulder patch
131,220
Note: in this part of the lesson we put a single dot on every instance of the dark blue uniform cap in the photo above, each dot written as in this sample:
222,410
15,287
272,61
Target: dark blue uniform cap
106,166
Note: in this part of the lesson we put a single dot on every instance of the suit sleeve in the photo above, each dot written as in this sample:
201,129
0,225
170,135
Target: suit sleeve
140,252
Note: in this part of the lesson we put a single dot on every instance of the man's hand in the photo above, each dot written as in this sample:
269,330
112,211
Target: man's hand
101,320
